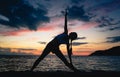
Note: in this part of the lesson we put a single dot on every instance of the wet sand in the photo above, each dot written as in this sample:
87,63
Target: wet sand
60,74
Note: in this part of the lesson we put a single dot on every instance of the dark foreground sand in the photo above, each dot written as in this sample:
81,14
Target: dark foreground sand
59,74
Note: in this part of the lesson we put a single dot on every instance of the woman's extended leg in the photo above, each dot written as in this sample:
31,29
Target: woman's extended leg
45,53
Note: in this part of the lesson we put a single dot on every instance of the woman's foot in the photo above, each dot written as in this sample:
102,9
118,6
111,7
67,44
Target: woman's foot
73,68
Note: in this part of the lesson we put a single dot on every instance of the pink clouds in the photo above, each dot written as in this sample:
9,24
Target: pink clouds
46,27
84,26
14,32
55,23
88,25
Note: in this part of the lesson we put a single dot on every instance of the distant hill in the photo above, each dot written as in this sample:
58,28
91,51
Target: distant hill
114,51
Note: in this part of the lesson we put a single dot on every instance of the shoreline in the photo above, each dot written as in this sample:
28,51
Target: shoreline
59,74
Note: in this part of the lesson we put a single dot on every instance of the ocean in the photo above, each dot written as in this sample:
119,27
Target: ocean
53,63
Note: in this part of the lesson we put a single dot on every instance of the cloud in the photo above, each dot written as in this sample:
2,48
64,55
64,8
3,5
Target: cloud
8,31
78,43
88,25
104,13
20,13
16,51
14,32
114,28
42,42
106,22
109,24
114,39
81,38
78,12
75,25
76,1
106,7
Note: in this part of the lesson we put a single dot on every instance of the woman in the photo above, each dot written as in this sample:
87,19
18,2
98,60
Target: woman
53,46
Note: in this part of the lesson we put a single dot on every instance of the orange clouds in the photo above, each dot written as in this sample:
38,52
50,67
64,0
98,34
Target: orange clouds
81,53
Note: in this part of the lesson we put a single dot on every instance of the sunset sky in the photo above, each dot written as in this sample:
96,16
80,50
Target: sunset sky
33,23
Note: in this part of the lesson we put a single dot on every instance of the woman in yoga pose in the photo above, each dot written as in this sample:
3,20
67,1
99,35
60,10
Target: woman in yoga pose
53,46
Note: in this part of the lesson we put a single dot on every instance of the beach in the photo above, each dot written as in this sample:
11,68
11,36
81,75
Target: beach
51,66
59,74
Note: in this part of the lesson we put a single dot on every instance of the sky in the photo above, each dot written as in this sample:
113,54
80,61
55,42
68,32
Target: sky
32,24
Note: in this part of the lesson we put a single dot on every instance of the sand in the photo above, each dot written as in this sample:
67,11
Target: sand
59,74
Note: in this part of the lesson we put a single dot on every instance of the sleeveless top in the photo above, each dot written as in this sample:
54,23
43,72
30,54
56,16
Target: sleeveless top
62,38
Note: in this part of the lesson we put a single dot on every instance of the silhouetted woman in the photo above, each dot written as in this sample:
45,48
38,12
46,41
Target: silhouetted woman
53,46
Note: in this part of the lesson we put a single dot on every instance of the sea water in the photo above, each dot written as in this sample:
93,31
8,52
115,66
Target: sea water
53,63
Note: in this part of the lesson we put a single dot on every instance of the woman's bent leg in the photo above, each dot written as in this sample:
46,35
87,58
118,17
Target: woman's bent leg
61,56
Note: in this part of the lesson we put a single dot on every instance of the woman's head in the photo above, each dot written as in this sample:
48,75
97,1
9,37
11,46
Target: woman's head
73,35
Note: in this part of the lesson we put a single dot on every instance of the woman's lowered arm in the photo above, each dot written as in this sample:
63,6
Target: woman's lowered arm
69,50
